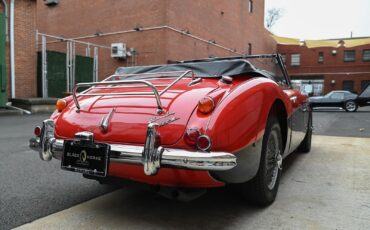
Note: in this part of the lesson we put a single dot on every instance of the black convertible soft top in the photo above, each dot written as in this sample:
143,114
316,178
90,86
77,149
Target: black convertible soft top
201,68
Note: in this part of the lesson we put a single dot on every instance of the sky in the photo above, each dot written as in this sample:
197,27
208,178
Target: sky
321,19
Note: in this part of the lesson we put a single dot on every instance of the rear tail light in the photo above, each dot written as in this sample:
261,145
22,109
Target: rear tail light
37,131
60,105
206,105
191,136
204,143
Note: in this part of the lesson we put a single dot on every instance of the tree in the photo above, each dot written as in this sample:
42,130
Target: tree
273,15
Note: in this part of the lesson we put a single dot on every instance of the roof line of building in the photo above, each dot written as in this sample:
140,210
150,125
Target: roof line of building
350,38
334,43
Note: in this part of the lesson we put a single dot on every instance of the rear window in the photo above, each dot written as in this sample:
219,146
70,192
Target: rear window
366,92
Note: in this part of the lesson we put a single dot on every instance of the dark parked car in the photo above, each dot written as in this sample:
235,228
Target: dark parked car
344,99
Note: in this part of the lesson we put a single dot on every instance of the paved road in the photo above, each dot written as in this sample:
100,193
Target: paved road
30,188
327,188
335,122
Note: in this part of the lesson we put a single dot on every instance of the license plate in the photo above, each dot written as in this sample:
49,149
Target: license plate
87,158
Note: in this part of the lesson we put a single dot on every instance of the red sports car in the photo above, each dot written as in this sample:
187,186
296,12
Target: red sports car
193,124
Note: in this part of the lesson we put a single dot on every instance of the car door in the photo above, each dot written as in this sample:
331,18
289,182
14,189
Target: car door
299,119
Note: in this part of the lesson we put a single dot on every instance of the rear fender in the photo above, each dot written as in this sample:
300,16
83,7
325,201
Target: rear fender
237,125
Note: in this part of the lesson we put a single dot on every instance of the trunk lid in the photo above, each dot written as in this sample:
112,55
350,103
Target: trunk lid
132,114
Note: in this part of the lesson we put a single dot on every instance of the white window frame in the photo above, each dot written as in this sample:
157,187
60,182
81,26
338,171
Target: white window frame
366,55
347,59
295,59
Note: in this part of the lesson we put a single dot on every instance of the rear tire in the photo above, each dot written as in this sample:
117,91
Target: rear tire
305,146
350,106
262,189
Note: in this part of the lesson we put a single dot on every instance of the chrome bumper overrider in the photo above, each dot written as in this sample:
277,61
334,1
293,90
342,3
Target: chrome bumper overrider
152,156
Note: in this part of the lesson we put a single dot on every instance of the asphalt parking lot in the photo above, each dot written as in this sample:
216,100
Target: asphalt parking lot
335,122
30,188
327,188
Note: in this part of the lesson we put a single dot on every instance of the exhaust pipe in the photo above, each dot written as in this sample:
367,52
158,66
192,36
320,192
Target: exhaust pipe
182,194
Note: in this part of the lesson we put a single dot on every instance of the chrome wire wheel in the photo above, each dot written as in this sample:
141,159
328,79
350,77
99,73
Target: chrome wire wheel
274,160
350,106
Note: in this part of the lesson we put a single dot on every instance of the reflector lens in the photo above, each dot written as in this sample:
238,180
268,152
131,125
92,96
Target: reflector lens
206,105
191,136
61,104
37,131
204,143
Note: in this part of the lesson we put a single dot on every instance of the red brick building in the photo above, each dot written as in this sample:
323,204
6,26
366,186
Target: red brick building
24,73
165,30
328,64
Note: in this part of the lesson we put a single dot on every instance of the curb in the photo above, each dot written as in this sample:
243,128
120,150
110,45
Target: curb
9,112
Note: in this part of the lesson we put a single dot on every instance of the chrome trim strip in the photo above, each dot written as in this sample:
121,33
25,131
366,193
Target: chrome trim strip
84,136
150,155
46,140
174,158
105,121
209,142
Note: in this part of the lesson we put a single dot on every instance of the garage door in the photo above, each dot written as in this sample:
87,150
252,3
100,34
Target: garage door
3,95
56,72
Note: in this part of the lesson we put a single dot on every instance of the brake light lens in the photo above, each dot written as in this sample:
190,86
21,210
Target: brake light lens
37,131
61,105
191,136
204,143
206,105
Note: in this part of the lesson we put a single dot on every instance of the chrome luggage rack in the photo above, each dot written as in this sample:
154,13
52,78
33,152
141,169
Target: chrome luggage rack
144,83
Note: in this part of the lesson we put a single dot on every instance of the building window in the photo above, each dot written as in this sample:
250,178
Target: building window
366,55
249,48
349,55
295,60
321,57
250,6
348,85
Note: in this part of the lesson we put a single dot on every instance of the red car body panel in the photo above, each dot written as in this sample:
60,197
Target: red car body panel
166,176
129,122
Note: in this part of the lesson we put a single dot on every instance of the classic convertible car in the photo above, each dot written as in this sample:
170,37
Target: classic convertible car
193,124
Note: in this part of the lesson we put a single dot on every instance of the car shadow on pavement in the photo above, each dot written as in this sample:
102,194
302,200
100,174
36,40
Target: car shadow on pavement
137,208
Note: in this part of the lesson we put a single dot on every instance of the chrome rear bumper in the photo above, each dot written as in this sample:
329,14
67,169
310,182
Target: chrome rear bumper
150,155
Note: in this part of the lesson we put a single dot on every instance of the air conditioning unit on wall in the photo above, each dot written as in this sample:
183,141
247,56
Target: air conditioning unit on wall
118,50
51,2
